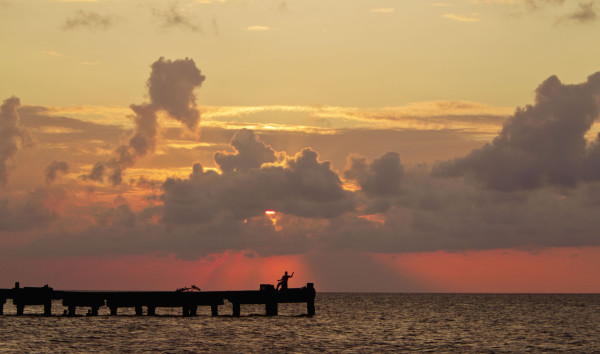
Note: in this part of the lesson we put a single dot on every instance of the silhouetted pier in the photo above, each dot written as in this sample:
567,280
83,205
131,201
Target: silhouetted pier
187,301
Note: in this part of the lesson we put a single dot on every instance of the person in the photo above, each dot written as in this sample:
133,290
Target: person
283,281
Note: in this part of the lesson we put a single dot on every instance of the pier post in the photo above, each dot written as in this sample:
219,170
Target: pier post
310,304
186,311
1,308
138,311
310,307
48,308
113,310
271,308
20,309
151,311
214,310
193,310
95,310
72,310
236,309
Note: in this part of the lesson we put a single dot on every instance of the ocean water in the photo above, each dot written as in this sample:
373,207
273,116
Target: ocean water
343,323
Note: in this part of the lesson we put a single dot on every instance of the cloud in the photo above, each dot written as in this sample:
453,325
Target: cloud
586,13
541,144
52,53
382,177
12,136
250,153
175,17
89,20
33,212
383,10
54,167
259,28
302,186
171,88
461,18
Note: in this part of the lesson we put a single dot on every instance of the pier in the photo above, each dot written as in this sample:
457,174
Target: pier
151,300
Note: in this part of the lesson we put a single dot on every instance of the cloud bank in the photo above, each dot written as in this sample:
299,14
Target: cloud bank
536,185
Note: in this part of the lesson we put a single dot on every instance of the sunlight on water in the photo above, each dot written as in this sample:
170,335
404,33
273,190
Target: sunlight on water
344,322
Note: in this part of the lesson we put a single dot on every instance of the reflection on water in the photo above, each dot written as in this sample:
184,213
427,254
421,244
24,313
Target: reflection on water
344,322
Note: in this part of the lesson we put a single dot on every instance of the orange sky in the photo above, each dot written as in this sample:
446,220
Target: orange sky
401,146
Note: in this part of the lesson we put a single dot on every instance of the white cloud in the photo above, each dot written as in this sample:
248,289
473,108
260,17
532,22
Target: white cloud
383,10
259,28
52,53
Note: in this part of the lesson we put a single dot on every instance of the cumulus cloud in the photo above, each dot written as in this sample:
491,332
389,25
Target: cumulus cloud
540,144
53,168
88,20
171,89
303,186
12,136
250,153
382,177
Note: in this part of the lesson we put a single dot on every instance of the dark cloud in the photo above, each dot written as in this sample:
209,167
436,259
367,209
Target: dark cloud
304,186
33,212
382,177
586,13
541,144
12,136
175,17
171,88
250,153
118,217
53,168
88,20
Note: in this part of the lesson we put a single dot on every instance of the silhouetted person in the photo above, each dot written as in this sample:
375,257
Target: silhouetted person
283,281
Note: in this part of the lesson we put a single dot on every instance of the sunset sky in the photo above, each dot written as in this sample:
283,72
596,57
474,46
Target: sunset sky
373,145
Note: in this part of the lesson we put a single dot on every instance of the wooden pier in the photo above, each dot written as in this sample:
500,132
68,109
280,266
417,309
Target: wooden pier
187,301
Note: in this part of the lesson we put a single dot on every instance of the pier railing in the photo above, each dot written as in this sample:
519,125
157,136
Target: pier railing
187,301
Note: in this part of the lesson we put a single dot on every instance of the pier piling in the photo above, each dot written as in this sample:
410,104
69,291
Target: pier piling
214,310
271,309
236,309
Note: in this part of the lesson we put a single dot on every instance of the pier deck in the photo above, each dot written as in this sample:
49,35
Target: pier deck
188,301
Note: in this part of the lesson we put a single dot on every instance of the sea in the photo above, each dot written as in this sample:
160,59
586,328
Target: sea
344,322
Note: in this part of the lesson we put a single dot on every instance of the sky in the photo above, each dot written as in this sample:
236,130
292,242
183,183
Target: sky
366,146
